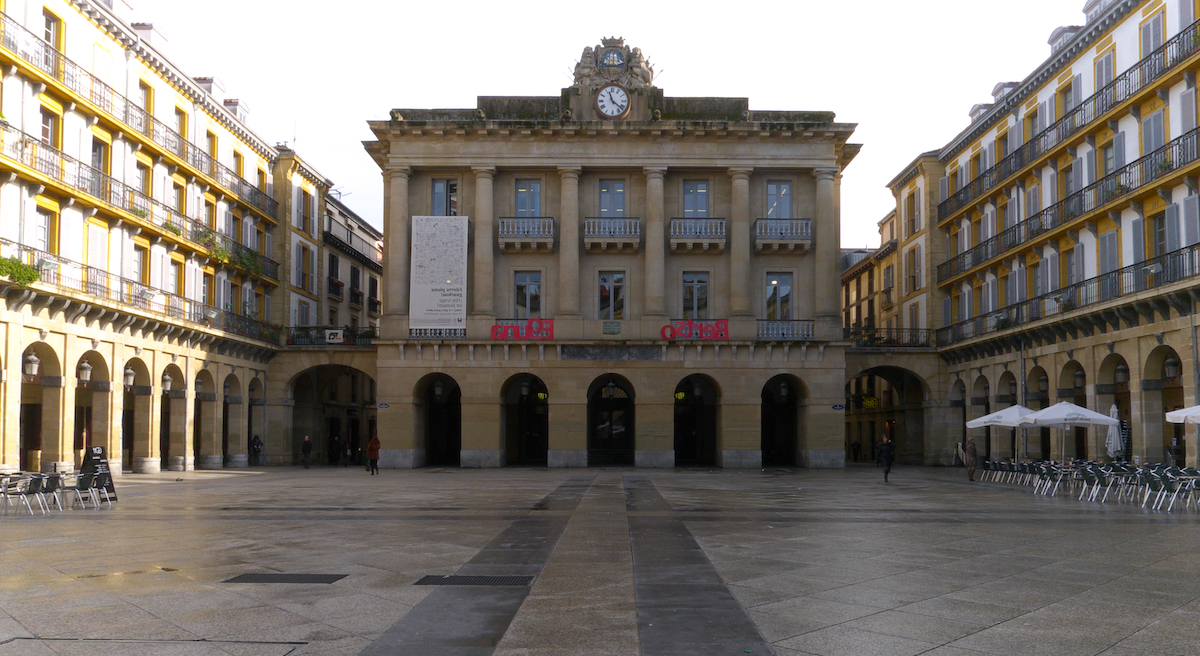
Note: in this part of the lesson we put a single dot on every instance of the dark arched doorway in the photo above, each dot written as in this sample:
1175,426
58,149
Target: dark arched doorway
443,421
696,406
526,420
780,421
610,421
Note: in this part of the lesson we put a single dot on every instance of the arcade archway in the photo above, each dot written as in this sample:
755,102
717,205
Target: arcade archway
333,404
782,404
697,409
439,415
526,424
93,396
887,400
41,405
1162,381
610,421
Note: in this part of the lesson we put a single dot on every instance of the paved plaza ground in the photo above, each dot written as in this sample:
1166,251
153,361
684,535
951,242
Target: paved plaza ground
623,561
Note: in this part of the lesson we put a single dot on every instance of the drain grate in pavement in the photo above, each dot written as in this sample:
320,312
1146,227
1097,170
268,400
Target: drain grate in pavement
286,578
434,579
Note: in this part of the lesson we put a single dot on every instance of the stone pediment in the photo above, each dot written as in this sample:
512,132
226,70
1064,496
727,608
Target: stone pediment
613,61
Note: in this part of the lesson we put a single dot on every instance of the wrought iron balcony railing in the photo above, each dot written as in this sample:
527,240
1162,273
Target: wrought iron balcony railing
335,287
1173,267
70,277
1154,66
330,335
889,337
374,305
785,331
226,249
25,45
356,297
367,252
1128,179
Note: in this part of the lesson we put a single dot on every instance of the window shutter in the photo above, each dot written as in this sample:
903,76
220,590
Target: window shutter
1022,285
1020,134
1076,93
299,261
1172,227
1033,199
943,188
904,273
1186,13
947,316
1147,39
1053,188
917,209
1043,111
1187,106
1090,166
1191,220
1077,175
995,305
1139,237
1051,111
312,271
266,306
920,281
1079,269
1119,150
1053,276
267,244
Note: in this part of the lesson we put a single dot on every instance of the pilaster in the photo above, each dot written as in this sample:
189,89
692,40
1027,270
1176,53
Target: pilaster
655,256
485,242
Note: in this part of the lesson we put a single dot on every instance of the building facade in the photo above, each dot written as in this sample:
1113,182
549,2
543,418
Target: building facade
649,281
146,240
1062,240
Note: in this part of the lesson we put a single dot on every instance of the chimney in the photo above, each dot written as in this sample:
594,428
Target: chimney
211,85
238,108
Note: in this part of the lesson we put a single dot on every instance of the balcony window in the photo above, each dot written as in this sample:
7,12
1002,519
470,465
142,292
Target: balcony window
612,295
334,268
1154,133
355,278
50,128
695,199
145,180
445,198
612,198
527,295
695,295
529,198
1104,70
1152,35
779,200
779,297
44,230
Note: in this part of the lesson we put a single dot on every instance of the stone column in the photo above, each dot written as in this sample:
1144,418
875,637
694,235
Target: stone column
739,245
58,424
568,242
236,454
655,243
209,455
828,249
485,242
10,409
397,226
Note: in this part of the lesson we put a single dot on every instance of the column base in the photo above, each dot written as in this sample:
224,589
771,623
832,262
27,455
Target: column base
815,459
481,458
8,469
146,465
401,458
562,458
177,463
237,460
661,459
210,462
57,466
739,459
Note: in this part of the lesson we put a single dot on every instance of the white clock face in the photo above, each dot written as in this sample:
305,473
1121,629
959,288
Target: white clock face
612,101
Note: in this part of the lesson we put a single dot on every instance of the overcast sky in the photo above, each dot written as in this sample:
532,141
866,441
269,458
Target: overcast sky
313,73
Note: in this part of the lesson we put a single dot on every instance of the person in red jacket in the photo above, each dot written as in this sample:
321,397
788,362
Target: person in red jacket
373,454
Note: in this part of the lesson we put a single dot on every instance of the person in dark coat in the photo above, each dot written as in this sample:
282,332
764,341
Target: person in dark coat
306,452
373,454
971,458
886,452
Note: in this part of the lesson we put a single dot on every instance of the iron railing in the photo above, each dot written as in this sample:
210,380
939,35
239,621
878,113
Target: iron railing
697,228
356,297
374,305
783,331
1160,271
330,335
340,234
1142,172
612,228
335,287
55,164
1152,67
885,300
66,276
526,228
437,333
889,337
783,229
26,46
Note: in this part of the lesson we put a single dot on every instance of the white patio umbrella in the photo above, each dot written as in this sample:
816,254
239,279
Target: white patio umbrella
1010,417
1185,415
1067,415
1113,442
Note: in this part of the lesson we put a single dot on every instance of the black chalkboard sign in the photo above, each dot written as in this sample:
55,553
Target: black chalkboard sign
95,461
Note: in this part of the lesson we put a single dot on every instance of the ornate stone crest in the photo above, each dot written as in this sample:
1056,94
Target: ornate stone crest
613,61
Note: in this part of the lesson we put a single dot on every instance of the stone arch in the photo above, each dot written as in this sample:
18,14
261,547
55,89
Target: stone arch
42,443
697,421
978,405
1162,392
1078,442
234,442
889,399
1113,389
1004,440
256,405
175,452
93,402
1037,397
525,420
437,419
783,418
137,418
611,438
206,421
331,403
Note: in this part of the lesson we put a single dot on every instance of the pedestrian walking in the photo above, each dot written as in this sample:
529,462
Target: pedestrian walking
971,458
373,454
886,452
306,452
256,446
856,448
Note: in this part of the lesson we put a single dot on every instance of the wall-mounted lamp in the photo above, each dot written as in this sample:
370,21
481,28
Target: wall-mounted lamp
166,382
525,389
85,371
679,396
612,388
1170,368
129,376
32,365
199,386
1121,375
1080,379
437,390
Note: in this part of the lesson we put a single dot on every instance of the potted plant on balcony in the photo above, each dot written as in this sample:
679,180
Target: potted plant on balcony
1164,165
18,272
218,253
173,229
1003,322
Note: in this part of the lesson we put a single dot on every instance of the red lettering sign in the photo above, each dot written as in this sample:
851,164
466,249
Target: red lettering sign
689,329
540,329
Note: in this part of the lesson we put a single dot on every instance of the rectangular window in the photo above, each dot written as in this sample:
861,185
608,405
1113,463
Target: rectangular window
1108,252
695,295
179,198
334,268
612,295
914,316
910,211
373,288
141,265
445,198
306,212
1152,34
779,200
43,231
612,198
145,180
52,32
175,278
181,121
529,197
1108,160
146,97
355,278
210,144
302,314
1104,70
527,296
238,163
1072,274
50,131
1154,133
695,199
333,316
779,297
1159,225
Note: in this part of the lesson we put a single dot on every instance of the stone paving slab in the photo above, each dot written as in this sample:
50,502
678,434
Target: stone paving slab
818,562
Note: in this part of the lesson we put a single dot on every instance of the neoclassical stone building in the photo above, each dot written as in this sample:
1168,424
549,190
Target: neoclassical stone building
629,278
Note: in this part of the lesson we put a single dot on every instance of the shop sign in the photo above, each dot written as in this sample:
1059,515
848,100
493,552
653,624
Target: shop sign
839,407
531,329
334,337
691,329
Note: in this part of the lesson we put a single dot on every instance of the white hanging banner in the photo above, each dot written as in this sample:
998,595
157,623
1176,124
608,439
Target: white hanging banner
438,279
